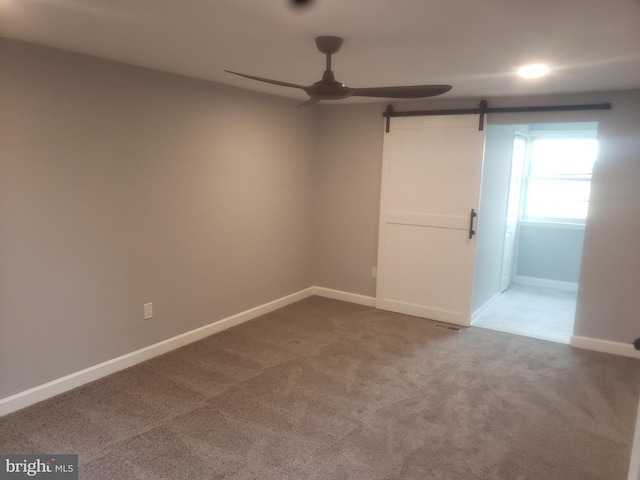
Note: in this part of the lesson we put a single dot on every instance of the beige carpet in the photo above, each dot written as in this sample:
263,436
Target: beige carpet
330,390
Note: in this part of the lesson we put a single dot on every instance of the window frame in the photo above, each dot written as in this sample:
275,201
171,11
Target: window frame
531,137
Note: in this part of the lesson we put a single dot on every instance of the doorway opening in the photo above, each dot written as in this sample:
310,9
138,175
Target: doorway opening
534,203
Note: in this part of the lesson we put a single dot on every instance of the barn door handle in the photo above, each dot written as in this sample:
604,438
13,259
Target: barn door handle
471,230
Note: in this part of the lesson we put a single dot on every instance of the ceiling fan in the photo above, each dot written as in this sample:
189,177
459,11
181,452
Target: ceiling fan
330,89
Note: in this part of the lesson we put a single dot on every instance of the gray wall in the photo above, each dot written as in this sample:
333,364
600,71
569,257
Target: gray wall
608,303
121,186
549,252
347,197
494,196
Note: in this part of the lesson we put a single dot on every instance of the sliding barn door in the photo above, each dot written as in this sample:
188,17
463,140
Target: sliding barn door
432,169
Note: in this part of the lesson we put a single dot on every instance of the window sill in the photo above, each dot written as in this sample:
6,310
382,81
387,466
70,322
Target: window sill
551,224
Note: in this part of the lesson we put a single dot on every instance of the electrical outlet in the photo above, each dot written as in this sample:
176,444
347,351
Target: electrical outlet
374,272
148,311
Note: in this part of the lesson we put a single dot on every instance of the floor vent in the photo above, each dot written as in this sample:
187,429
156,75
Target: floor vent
448,327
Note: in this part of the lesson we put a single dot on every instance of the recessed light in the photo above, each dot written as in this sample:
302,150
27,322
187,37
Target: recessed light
533,71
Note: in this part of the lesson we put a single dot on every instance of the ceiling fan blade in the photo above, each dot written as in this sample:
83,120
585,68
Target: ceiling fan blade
267,80
311,101
330,89
410,91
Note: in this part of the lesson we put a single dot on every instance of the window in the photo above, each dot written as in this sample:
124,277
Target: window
559,178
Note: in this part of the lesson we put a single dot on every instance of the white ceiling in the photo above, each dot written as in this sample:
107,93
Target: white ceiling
474,45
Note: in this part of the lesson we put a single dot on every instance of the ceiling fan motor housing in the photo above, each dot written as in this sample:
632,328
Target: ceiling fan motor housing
328,44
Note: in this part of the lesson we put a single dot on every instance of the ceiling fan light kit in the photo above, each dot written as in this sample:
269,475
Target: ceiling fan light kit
330,89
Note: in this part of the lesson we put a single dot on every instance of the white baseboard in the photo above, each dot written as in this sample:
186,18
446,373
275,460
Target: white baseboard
484,307
346,296
604,346
545,283
60,385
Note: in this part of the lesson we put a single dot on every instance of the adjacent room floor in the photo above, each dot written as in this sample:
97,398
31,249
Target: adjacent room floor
544,313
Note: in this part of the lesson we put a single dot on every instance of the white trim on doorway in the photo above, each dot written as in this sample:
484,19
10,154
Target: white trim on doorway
484,307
